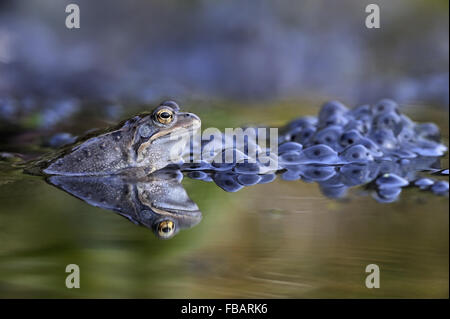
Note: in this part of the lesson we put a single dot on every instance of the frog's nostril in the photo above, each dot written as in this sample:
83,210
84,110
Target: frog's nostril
192,117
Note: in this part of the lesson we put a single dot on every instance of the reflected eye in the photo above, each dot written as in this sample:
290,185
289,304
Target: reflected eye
166,228
164,116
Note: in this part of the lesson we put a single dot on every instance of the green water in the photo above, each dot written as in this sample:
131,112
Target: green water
283,239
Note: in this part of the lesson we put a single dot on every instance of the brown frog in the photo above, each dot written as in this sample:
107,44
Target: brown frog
145,143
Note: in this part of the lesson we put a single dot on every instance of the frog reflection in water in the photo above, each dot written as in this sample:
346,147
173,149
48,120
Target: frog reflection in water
144,144
157,201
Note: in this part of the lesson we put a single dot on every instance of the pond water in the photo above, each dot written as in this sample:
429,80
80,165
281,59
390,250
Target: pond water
283,239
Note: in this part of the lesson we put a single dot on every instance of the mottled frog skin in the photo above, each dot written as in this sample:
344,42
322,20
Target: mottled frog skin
146,142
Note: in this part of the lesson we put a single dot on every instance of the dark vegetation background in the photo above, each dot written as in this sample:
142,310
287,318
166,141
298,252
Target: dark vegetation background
252,52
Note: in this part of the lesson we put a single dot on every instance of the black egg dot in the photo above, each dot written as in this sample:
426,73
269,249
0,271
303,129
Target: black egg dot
355,155
350,141
317,152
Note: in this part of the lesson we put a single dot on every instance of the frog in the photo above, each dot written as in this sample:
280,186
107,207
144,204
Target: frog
141,144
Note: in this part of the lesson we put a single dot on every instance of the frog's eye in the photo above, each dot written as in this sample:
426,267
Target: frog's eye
164,116
166,228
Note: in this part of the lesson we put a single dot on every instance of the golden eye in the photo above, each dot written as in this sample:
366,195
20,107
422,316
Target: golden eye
166,228
164,116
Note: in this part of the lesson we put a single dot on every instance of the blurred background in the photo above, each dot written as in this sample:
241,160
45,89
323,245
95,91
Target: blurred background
253,52
233,63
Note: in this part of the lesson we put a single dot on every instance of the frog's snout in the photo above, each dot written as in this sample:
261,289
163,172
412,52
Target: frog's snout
191,118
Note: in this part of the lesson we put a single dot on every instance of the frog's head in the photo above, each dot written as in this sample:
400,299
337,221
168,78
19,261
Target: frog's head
162,134
151,140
